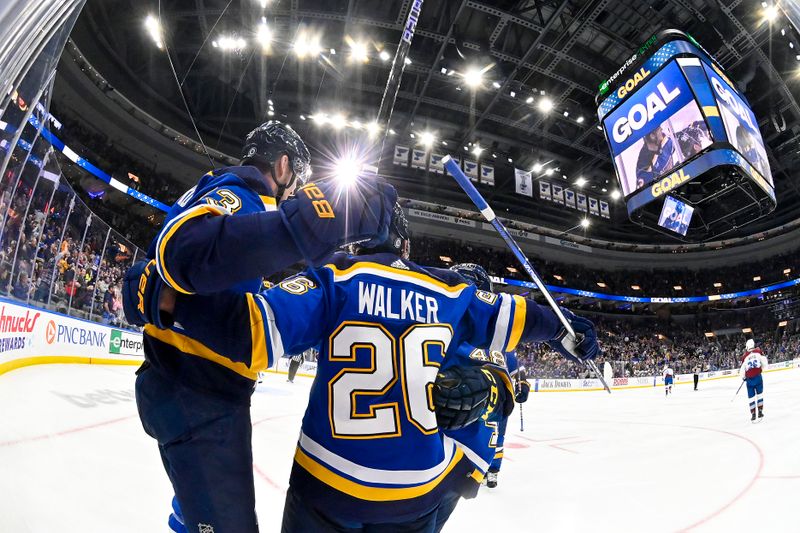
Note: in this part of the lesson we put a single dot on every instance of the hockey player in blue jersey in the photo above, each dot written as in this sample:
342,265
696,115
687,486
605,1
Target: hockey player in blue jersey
237,225
385,327
478,276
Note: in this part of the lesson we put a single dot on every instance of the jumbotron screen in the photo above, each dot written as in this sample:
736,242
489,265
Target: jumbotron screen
659,125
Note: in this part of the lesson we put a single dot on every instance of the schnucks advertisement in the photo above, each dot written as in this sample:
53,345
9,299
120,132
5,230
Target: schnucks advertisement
658,127
740,124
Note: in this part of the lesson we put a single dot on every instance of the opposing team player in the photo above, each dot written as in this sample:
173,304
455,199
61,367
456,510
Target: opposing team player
234,227
753,363
371,451
669,378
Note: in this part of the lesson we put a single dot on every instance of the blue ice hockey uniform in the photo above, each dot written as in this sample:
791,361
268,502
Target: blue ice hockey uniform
192,254
481,441
370,447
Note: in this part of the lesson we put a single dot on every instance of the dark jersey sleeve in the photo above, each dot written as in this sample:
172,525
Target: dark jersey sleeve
225,238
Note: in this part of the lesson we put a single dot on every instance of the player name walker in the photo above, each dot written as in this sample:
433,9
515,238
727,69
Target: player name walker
384,302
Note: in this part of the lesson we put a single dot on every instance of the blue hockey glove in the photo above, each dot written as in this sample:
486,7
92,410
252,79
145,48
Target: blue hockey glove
141,291
581,349
327,215
175,521
521,391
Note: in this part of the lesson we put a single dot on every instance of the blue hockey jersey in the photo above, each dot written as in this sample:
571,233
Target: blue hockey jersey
216,237
384,326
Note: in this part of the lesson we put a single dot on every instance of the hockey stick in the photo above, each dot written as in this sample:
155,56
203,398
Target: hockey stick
521,420
737,391
395,76
487,212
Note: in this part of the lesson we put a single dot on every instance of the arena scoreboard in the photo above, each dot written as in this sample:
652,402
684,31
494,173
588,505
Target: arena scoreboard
684,142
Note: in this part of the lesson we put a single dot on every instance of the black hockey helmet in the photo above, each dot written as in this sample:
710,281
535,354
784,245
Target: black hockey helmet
398,241
474,274
265,144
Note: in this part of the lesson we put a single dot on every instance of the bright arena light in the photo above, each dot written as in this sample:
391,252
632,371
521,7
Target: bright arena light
771,12
153,27
373,129
264,35
358,51
545,105
616,195
347,170
473,77
384,56
427,138
580,182
585,223
537,167
548,172
229,42
477,150
307,46
338,121
320,119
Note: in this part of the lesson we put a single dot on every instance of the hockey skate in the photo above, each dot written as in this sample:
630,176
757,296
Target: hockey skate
491,479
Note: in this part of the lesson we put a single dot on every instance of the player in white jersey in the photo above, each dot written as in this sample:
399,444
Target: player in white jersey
669,377
753,363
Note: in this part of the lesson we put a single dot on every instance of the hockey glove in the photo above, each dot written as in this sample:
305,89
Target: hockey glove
521,391
327,215
581,349
463,394
141,292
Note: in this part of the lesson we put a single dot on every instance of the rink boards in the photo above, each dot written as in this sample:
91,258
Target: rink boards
31,336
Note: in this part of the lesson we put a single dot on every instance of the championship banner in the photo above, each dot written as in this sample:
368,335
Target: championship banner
558,194
419,159
544,190
604,211
471,169
401,155
487,175
581,198
594,208
436,163
524,183
569,198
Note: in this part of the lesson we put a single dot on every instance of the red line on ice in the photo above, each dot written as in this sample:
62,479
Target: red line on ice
268,479
66,431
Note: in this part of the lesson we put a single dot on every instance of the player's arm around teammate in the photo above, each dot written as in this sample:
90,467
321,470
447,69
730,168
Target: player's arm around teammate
237,225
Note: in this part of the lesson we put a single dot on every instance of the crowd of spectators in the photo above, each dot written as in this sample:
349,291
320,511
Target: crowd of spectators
635,350
650,282
59,257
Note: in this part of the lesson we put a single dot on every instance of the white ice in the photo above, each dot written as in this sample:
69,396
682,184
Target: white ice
75,459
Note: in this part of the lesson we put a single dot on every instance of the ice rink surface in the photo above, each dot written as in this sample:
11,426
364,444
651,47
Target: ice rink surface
75,459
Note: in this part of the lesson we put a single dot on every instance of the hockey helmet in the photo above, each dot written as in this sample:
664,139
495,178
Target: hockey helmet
474,274
265,144
397,242
750,344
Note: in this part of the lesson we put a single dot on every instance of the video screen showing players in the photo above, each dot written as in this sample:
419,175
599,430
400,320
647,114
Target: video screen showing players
675,215
656,129
740,124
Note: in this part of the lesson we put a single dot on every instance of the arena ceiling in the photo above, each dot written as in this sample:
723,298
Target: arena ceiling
534,53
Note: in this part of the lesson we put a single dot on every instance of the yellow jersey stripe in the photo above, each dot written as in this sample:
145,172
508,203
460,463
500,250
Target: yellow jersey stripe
711,110
477,475
193,347
396,271
520,310
258,359
270,203
363,492
162,245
